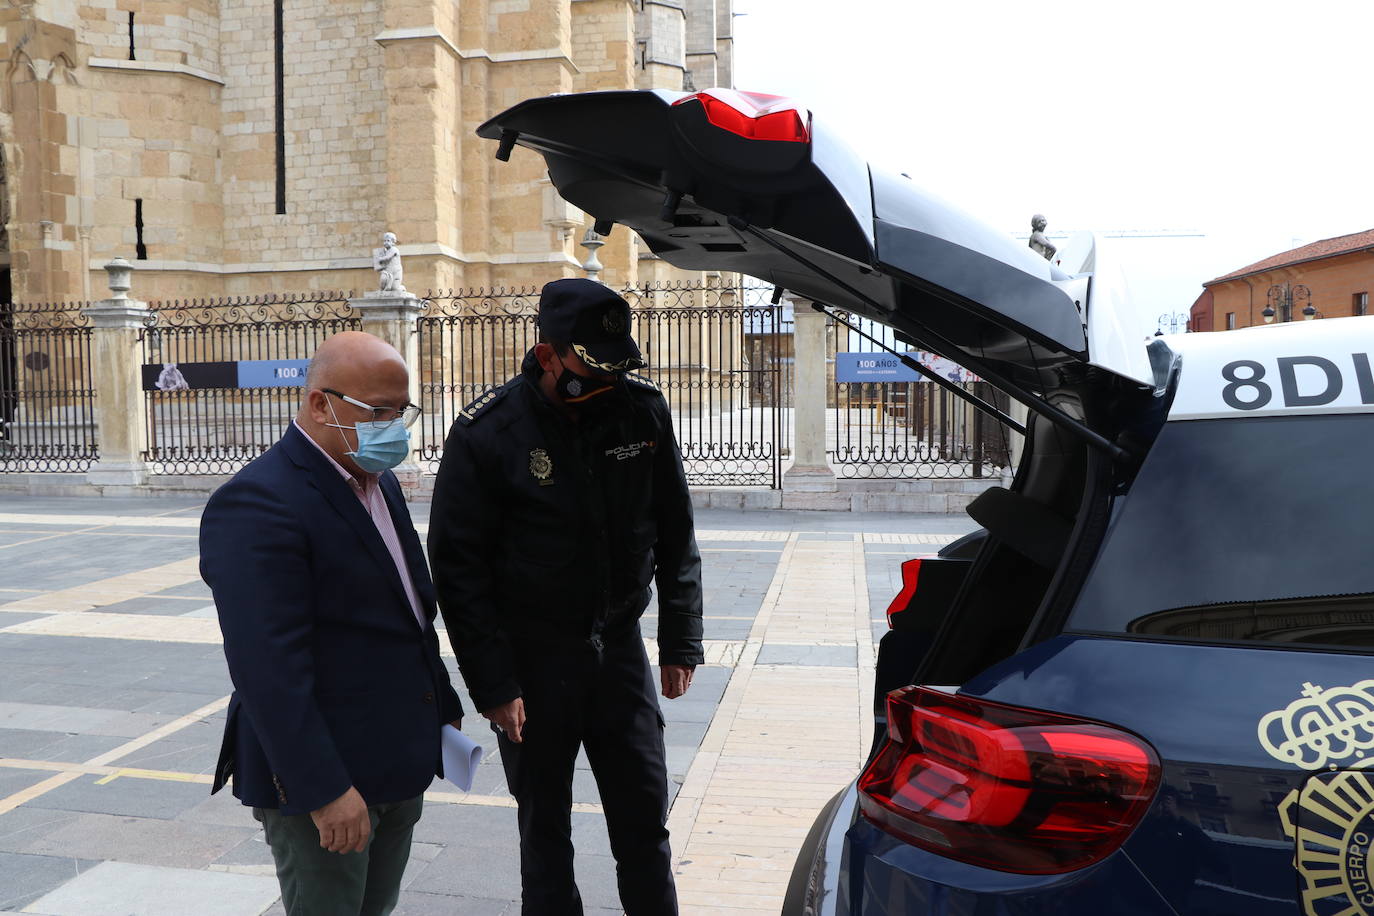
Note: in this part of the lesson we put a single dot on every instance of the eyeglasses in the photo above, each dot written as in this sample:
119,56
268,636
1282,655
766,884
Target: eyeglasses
407,414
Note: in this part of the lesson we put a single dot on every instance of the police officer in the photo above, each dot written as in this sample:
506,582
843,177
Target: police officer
560,499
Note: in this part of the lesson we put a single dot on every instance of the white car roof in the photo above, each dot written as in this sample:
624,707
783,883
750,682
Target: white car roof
1301,367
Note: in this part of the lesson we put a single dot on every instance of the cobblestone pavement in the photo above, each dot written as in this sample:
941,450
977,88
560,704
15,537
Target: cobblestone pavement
113,689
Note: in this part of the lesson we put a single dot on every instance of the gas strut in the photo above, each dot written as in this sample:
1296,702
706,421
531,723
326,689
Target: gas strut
942,345
929,373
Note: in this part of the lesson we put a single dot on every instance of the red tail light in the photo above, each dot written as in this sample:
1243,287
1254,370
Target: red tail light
911,572
1012,789
753,115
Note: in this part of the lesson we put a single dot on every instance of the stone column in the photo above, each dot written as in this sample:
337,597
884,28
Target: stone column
394,317
810,471
121,433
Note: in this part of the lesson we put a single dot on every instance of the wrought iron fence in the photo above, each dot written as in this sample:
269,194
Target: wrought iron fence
47,395
219,430
901,429
718,352
722,355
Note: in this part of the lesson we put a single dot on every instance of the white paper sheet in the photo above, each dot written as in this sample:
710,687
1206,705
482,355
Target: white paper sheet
461,755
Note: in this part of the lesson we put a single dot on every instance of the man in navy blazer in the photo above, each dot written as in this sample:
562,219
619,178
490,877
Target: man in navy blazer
327,612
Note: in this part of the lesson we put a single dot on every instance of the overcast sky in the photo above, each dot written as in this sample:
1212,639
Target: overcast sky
1247,122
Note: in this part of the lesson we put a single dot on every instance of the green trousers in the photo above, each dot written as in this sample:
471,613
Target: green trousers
317,882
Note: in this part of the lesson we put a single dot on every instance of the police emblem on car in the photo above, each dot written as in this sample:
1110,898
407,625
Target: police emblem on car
541,466
1329,729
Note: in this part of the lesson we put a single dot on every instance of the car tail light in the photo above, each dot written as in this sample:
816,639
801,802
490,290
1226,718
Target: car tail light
753,115
911,572
1003,787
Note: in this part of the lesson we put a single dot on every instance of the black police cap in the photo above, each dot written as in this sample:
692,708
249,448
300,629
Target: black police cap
593,320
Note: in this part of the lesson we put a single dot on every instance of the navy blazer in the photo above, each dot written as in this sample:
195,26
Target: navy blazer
335,684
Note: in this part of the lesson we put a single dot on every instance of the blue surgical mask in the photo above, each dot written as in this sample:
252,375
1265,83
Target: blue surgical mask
382,444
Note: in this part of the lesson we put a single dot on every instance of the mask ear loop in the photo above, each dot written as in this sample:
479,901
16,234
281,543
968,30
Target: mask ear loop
340,427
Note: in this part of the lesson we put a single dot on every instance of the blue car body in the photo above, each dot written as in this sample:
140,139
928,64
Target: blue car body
1178,574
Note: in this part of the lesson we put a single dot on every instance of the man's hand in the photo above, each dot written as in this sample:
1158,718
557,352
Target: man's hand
343,823
676,679
510,718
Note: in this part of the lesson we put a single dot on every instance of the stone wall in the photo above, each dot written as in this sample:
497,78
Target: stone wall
381,99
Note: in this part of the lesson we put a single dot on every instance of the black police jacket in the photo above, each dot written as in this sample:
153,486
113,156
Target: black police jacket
546,531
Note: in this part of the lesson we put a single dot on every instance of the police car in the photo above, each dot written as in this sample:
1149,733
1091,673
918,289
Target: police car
1144,685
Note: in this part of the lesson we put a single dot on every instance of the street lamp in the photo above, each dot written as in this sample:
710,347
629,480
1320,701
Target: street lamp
1171,320
1283,295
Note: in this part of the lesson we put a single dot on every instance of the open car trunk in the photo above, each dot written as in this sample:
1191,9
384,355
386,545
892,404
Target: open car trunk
731,181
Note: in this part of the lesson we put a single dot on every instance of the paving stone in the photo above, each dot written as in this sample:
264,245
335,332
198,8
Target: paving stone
128,889
687,709
148,841
12,618
221,809
90,559
188,590
28,534
34,745
78,720
820,656
151,604
467,871
15,780
584,787
23,879
27,825
471,826
193,749
142,798
412,903
208,612
116,665
252,851
595,876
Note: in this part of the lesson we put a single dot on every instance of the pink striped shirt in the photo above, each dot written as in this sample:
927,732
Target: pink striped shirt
370,494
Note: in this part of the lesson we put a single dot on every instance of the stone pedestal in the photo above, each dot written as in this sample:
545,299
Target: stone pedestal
810,471
121,433
393,316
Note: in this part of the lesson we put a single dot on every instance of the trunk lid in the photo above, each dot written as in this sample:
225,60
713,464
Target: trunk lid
808,214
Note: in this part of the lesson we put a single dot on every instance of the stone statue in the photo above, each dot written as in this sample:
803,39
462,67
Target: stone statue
1038,242
387,262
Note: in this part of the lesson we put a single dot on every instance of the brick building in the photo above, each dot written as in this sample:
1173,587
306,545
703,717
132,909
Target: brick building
257,146
1327,279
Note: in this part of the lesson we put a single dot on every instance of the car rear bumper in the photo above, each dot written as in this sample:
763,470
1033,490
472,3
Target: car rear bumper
849,867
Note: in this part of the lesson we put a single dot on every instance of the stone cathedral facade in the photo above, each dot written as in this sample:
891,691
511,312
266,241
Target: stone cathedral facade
241,147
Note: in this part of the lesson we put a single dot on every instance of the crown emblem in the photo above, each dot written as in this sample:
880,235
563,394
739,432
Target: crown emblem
1325,728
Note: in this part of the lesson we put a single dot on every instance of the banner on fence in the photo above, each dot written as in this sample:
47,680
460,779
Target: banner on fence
251,373
885,367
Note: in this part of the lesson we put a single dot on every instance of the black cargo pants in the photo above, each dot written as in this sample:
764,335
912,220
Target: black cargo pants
601,696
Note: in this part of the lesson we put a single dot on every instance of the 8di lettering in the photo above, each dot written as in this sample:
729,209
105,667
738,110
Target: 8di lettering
1247,387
